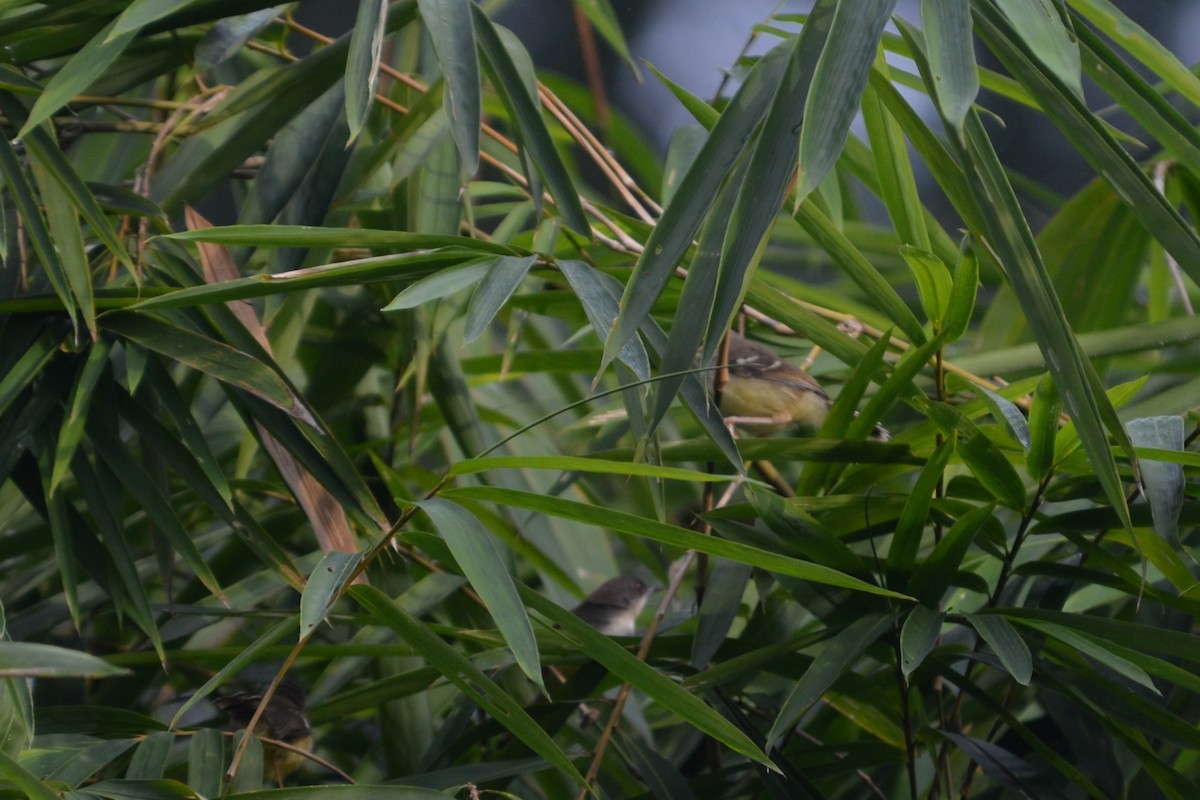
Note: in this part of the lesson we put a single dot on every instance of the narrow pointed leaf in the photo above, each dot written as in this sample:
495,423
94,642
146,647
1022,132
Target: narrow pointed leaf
1007,643
324,587
471,680
837,87
78,73
528,119
482,562
653,683
362,62
836,656
673,235
453,36
1164,483
633,525
951,57
503,277
918,637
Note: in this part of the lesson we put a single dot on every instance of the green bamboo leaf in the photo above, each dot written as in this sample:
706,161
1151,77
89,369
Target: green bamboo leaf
358,791
471,680
1073,375
187,428
961,305
440,285
522,105
897,183
149,760
837,87
951,57
365,270
910,528
1140,100
935,572
640,527
600,13
78,73
324,587
918,637
22,373
990,466
68,240
249,776
859,269
1039,26
503,277
230,35
449,25
1007,414
591,464
146,491
1163,482
209,356
837,655
206,761
1093,649
35,225
700,290
1000,635
31,660
1087,132
1001,765
24,780
482,562
362,62
101,493
673,235
141,13
947,172
772,163
934,282
1111,21
596,294
1044,419
320,237
720,607
630,669
77,406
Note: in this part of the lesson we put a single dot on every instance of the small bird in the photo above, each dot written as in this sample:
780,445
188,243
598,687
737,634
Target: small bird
283,720
614,607
765,394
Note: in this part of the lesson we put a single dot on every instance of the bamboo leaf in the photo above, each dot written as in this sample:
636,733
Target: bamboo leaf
503,277
78,73
482,562
534,134
1000,635
362,62
324,587
466,676
837,655
628,668
673,235
951,57
450,29
837,87
918,637
633,525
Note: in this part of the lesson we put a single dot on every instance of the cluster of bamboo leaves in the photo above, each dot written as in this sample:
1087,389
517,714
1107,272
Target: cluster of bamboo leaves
431,376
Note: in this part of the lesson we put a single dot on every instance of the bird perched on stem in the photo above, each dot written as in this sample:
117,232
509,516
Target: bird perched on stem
614,607
765,394
282,721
